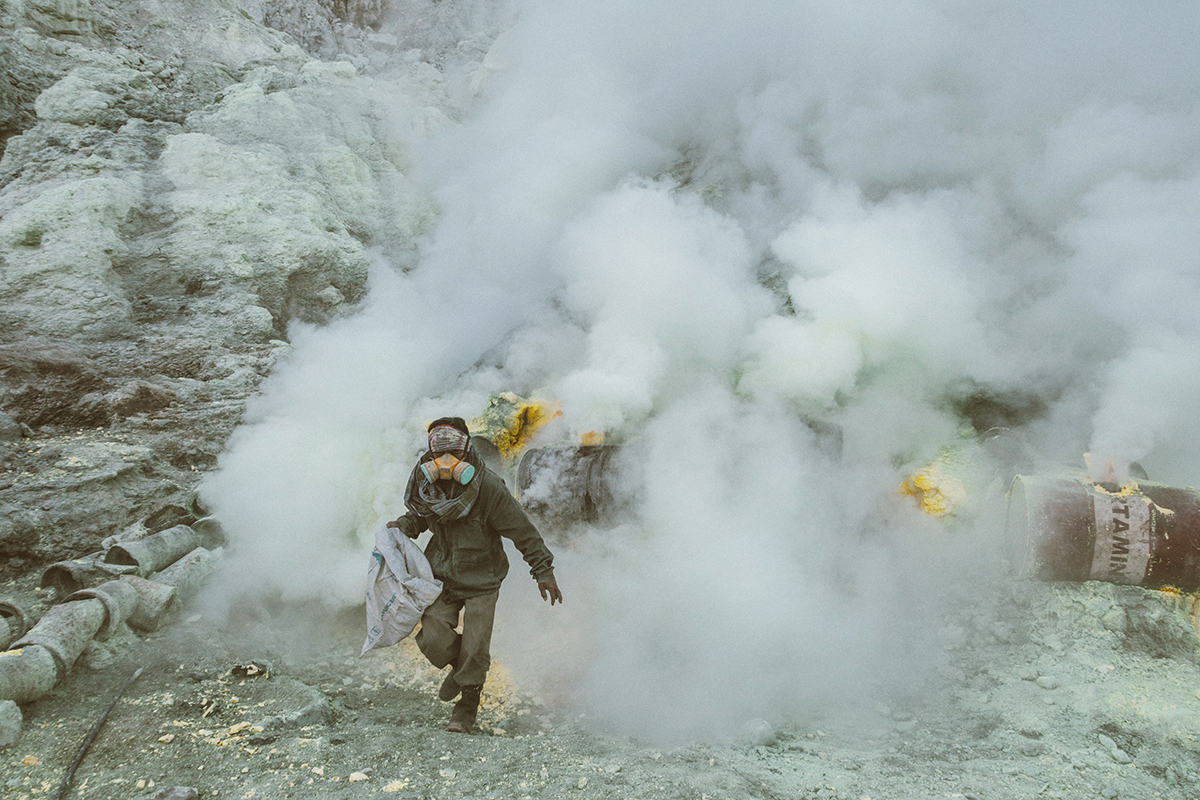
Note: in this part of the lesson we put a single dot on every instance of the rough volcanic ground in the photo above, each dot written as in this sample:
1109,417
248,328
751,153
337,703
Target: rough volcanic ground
1043,691
126,357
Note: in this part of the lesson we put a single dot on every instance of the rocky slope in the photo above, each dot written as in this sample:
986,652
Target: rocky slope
180,183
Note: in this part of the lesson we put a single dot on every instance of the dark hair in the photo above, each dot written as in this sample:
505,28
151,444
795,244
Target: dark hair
453,422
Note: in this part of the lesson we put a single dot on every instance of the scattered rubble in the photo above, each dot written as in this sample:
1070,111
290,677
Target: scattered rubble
221,709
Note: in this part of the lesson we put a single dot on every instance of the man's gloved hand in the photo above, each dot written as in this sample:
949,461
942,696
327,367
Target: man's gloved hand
404,526
549,590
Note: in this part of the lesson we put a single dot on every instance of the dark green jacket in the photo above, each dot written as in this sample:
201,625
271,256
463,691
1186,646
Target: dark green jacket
467,554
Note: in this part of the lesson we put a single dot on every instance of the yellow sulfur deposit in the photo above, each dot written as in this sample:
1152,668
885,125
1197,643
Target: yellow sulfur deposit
499,690
591,438
1128,489
937,493
1185,603
510,422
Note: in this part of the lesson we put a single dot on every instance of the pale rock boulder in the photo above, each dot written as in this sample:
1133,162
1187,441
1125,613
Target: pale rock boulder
74,100
62,225
94,95
261,208
56,17
177,187
280,194
196,31
58,248
318,25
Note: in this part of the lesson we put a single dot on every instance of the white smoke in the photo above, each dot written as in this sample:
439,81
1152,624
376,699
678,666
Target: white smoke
705,228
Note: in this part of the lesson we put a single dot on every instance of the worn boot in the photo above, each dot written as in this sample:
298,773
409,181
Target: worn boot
462,718
450,688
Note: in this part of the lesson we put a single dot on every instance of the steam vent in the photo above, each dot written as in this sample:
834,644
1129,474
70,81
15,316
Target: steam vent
843,357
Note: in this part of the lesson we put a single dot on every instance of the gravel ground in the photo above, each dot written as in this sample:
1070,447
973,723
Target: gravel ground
1042,691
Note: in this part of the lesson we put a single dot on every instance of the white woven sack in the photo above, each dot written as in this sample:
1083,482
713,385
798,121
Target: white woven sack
400,586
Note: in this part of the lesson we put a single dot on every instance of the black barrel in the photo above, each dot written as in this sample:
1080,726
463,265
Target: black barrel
1071,529
569,482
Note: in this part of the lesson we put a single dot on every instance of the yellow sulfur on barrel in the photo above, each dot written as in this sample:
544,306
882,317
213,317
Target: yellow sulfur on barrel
1073,529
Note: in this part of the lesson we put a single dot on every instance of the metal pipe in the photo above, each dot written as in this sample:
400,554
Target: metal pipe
162,595
188,573
120,600
67,629
13,623
67,577
168,516
157,602
155,552
194,507
211,534
46,652
27,673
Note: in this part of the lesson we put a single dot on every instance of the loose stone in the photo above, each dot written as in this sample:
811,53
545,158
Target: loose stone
177,793
757,733
10,723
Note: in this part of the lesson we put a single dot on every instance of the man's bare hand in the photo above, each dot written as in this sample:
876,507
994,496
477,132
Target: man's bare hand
549,590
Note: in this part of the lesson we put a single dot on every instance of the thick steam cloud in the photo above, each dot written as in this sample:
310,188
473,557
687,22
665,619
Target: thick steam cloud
713,232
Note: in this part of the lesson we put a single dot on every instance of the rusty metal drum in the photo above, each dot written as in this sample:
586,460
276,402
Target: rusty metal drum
1072,529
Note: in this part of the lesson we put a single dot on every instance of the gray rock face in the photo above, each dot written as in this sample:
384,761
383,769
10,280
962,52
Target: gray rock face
30,66
185,47
179,184
310,22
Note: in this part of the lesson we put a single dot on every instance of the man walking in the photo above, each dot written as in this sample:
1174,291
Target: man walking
468,508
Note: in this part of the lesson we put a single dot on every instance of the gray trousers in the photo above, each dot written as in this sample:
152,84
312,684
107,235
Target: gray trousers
470,651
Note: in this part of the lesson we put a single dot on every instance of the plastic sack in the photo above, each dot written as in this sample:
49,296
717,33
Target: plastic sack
400,586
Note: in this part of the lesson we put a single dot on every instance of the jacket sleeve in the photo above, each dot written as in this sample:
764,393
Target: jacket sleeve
509,520
412,525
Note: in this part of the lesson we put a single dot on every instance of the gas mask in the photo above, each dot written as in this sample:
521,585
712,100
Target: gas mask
446,467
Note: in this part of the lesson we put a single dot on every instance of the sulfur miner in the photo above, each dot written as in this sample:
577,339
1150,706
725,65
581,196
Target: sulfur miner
468,508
